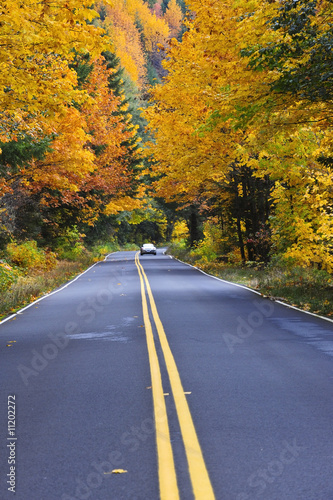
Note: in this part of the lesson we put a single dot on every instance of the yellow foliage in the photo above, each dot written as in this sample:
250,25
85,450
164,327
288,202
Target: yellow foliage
154,29
121,204
180,231
68,162
28,256
37,42
215,111
126,41
121,23
173,17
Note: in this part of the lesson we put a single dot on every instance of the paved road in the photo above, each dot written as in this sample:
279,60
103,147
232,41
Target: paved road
239,387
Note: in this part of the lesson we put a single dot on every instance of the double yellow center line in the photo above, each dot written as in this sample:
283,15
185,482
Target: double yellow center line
202,488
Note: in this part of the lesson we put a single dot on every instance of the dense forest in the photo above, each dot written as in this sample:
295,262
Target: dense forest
203,122
243,127
74,77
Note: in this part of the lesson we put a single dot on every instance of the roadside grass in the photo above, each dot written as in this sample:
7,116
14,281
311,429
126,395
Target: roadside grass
19,287
130,246
36,284
307,288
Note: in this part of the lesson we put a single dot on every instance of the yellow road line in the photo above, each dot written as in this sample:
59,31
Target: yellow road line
201,484
166,467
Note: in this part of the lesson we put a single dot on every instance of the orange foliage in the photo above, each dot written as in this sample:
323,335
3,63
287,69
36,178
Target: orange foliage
87,163
107,131
66,165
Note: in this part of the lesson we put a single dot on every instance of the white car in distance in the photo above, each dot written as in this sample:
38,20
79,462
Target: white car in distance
148,248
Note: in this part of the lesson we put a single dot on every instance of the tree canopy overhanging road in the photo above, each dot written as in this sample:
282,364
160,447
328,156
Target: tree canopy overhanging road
144,379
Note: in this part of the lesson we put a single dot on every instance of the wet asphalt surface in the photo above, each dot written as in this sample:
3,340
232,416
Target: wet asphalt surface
259,377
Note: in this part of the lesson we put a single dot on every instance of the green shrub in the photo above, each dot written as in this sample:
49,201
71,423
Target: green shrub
8,276
130,246
102,249
70,245
28,256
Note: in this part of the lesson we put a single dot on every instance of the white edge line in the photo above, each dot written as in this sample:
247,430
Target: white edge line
219,279
48,294
255,291
52,293
106,257
301,310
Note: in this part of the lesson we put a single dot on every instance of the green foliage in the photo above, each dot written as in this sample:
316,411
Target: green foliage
204,252
116,78
102,11
308,77
100,250
182,5
152,75
139,26
21,151
83,68
210,246
131,116
70,245
24,289
308,288
164,5
150,3
130,247
140,232
180,251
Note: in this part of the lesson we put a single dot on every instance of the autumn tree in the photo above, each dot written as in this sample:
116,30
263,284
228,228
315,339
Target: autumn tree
126,39
186,159
37,42
173,16
226,101
297,115
90,161
68,145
